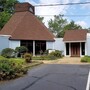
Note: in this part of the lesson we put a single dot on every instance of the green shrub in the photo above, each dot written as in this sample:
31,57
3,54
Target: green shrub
47,57
19,61
51,57
2,58
36,58
46,52
8,53
42,57
85,59
10,70
21,50
56,53
28,57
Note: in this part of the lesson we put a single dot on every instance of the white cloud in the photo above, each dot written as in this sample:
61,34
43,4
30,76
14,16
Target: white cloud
86,6
30,1
82,23
55,10
74,1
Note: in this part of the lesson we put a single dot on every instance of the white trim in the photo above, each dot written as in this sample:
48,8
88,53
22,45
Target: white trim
88,82
80,50
33,48
70,49
5,35
65,49
74,41
85,48
67,56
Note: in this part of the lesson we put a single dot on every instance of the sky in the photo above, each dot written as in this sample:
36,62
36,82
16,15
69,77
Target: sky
48,12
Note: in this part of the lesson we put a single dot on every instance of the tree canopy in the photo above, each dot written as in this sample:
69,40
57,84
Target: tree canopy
6,10
69,26
8,5
59,25
72,26
40,18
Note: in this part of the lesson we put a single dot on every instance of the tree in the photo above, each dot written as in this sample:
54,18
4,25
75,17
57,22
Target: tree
72,26
40,18
57,25
4,17
6,11
8,5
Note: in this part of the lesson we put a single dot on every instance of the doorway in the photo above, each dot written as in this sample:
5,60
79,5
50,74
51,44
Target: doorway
75,49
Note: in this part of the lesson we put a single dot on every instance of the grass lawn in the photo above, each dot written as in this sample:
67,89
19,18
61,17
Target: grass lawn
85,59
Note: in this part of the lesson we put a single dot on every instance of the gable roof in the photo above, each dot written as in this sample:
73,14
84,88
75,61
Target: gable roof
26,26
75,35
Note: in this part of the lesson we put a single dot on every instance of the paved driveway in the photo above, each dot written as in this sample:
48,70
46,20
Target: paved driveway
51,77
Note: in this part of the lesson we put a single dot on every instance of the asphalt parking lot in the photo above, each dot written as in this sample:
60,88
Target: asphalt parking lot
51,77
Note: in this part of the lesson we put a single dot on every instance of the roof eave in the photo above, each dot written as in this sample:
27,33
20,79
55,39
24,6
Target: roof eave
33,39
75,41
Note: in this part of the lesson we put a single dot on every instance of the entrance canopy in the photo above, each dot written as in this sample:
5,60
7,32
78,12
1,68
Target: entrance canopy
75,36
75,42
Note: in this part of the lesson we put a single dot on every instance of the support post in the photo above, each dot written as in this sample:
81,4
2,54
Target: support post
80,50
33,48
70,49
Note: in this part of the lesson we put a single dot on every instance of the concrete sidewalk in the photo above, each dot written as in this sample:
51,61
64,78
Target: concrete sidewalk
66,60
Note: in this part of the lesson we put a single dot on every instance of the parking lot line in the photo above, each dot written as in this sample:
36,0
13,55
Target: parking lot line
88,82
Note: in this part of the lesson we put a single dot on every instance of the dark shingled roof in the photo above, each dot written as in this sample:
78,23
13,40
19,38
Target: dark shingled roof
25,26
75,35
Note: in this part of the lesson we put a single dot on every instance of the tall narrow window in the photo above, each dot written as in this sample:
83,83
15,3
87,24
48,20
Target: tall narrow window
40,46
83,48
67,48
28,44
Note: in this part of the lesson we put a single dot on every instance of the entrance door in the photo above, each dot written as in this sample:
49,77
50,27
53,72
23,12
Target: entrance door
75,49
